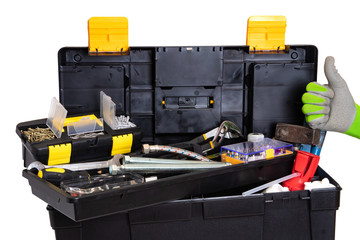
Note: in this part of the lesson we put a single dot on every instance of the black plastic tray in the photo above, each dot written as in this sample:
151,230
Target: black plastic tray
162,190
300,215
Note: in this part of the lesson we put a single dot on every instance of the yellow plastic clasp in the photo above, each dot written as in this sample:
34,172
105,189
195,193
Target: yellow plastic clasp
122,144
78,118
59,154
266,33
108,35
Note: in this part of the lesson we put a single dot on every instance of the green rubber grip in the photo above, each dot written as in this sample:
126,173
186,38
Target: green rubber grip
354,129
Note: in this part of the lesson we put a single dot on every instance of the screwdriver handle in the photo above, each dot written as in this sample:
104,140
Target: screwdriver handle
57,175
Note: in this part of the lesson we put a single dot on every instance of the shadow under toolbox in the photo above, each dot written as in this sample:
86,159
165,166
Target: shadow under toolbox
299,215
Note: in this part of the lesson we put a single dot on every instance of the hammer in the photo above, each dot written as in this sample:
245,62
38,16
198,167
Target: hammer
297,134
311,140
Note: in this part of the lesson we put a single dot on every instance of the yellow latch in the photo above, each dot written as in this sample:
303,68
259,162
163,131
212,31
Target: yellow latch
76,119
108,35
266,33
225,158
59,154
270,153
122,144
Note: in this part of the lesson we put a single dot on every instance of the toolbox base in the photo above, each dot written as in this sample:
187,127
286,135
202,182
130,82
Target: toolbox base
300,215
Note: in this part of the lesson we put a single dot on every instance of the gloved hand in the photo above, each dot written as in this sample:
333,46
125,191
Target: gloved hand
331,107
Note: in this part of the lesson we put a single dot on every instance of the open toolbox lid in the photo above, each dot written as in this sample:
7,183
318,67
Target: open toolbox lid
174,94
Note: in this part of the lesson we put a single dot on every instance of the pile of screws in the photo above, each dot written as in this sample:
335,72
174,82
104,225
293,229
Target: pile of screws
123,122
38,134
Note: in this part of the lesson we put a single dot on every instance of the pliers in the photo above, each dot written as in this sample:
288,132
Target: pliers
227,129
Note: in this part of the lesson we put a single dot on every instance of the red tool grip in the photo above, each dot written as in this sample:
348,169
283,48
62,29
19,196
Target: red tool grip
306,164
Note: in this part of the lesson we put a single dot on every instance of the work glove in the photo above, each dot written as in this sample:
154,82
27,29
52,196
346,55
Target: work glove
331,107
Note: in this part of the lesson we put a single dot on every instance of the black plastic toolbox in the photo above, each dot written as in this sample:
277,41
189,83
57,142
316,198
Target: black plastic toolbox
174,94
299,215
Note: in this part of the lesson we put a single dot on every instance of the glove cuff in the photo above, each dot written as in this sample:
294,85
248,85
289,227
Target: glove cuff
354,129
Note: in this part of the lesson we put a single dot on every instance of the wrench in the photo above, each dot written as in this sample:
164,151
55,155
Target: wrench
115,160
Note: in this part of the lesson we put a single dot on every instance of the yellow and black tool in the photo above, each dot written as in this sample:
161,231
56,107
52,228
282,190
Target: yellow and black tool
57,175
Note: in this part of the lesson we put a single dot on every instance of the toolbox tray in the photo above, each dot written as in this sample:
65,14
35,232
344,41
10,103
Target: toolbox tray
162,190
299,215
82,149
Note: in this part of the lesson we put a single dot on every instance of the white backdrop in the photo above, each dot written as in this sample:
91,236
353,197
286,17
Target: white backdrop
33,32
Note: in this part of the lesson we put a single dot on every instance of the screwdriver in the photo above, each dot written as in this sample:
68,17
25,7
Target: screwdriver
57,175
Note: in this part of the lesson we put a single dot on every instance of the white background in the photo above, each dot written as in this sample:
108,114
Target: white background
33,31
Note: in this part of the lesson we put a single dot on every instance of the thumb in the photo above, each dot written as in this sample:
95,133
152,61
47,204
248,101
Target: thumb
332,75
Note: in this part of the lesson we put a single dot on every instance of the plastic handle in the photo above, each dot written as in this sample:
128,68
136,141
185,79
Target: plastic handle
310,172
269,184
305,164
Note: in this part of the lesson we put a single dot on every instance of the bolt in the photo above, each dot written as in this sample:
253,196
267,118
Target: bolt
146,148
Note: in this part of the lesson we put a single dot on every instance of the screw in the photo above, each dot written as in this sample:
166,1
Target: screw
294,55
77,58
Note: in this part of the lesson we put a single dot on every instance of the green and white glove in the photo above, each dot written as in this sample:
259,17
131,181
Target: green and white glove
331,107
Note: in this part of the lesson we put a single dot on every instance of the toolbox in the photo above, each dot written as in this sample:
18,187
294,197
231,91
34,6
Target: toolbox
172,95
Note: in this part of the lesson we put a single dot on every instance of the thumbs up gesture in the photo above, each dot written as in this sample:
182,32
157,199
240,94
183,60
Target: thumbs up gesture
331,107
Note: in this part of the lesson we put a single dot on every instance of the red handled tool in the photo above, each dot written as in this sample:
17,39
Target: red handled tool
306,164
